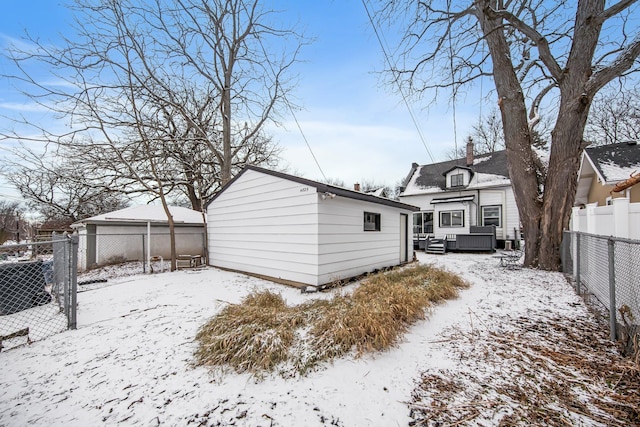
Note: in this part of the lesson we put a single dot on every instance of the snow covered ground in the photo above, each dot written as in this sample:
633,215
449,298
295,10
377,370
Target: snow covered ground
129,361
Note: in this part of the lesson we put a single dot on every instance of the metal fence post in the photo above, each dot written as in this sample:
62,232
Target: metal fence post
144,255
73,280
578,263
612,289
563,249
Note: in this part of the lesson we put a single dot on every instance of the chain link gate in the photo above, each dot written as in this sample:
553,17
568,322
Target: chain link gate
38,289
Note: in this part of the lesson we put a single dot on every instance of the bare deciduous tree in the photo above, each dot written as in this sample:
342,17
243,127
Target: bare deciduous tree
614,117
530,49
12,224
165,96
60,189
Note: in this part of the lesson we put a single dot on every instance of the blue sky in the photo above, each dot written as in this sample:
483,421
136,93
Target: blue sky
357,129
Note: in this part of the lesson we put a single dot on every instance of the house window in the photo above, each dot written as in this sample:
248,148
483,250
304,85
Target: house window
492,215
371,221
423,223
457,180
452,219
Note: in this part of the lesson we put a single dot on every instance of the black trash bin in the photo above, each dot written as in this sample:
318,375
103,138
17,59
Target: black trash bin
22,286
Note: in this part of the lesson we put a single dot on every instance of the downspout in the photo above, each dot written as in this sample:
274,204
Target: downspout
478,213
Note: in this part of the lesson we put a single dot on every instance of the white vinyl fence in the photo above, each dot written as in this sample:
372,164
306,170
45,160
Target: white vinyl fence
620,219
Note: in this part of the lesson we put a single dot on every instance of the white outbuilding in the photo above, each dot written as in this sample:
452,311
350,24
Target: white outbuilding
302,232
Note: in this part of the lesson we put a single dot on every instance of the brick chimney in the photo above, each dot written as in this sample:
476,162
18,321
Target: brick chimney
356,186
470,152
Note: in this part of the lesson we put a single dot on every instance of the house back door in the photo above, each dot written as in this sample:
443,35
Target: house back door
404,230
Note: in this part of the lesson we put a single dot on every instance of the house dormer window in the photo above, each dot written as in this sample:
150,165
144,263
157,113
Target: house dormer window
457,180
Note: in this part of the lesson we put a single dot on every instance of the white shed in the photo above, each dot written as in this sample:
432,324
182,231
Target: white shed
303,232
137,232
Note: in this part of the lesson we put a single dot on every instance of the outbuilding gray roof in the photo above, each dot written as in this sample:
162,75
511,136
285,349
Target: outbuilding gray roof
320,188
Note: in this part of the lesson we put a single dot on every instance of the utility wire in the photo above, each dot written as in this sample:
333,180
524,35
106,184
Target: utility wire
453,87
304,137
391,67
286,101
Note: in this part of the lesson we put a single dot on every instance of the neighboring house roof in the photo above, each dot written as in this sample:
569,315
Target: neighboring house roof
610,163
614,162
380,192
320,188
144,214
487,169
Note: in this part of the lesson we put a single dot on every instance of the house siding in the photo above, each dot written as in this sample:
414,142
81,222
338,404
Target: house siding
345,249
502,196
599,193
265,225
510,218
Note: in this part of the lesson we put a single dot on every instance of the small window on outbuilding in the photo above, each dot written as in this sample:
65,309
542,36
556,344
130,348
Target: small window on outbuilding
371,221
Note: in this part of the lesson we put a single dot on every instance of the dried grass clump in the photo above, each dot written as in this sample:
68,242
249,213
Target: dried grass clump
250,337
260,333
381,310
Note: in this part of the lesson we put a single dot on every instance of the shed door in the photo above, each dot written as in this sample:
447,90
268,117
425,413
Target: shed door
404,230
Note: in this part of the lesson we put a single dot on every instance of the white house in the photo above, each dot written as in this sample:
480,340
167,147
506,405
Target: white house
457,195
125,234
302,232
598,209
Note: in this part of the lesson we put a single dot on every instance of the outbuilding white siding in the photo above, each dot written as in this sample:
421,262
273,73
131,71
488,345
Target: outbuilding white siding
345,249
265,225
287,229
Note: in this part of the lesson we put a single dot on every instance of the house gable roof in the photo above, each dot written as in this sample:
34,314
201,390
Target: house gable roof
320,188
614,162
432,177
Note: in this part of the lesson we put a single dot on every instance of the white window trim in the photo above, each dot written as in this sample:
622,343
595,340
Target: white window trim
450,213
461,174
377,222
482,208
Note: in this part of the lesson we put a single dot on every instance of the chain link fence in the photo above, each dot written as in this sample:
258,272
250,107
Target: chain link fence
609,269
138,252
37,290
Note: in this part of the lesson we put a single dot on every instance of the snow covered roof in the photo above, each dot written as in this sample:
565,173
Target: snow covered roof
380,192
488,170
615,162
144,214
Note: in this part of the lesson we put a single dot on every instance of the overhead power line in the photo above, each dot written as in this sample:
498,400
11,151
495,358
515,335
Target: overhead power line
391,67
286,101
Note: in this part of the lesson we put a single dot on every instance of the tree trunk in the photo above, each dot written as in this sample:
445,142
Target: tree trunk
566,138
522,160
226,129
562,175
172,234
